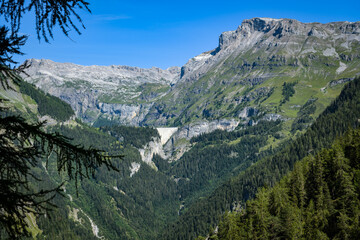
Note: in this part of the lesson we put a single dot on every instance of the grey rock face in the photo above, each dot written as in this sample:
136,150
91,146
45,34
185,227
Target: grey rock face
126,114
273,117
175,148
113,92
340,81
271,35
197,128
248,112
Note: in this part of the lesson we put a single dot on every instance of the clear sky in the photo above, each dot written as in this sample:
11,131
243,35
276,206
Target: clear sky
168,33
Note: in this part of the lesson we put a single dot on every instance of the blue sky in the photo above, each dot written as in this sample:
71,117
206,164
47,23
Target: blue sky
168,33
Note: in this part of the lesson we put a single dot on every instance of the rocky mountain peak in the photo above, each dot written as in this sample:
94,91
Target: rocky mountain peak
278,28
259,24
264,36
256,26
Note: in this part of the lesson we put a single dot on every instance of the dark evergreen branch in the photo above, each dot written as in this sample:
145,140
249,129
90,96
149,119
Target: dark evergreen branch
48,15
22,145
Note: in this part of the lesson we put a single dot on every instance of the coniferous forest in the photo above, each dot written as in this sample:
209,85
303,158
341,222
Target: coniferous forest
258,138
342,115
47,104
319,199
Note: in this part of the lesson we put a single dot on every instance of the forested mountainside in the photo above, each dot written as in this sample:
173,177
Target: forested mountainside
46,103
319,199
341,115
141,200
241,115
129,204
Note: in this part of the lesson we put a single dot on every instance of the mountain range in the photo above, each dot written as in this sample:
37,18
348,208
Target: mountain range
198,140
249,65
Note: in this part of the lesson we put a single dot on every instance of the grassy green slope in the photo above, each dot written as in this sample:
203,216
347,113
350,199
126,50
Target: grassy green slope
259,74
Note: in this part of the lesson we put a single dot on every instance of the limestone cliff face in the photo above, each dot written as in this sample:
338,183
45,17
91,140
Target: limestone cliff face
174,142
195,129
179,142
122,93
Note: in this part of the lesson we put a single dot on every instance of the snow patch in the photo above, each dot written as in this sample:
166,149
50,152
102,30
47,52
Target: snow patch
341,68
135,167
166,133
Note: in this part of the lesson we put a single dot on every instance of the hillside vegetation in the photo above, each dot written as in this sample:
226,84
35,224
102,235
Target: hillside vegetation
142,204
47,104
342,114
319,199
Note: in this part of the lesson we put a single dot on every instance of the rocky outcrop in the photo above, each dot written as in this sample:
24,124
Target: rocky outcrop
248,112
134,168
101,77
150,149
195,129
340,81
123,113
156,146
179,142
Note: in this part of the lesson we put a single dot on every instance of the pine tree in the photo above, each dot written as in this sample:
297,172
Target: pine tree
260,214
22,144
